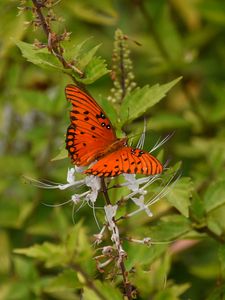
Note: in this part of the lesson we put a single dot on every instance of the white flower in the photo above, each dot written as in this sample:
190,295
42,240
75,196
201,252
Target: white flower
94,182
110,213
140,202
76,198
71,175
133,183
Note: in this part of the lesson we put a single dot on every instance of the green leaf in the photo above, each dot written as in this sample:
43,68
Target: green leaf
77,244
143,254
93,71
215,195
169,228
64,281
40,57
140,100
102,291
218,293
221,256
179,195
76,248
52,255
172,293
213,11
63,153
86,59
197,208
12,29
215,220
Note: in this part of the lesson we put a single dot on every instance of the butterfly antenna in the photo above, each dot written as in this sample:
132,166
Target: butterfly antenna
160,143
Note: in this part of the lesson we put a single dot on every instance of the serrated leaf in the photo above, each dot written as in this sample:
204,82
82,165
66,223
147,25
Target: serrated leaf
179,195
40,57
94,70
215,195
85,59
140,100
77,50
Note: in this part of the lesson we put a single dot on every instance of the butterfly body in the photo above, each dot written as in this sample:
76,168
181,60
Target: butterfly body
91,137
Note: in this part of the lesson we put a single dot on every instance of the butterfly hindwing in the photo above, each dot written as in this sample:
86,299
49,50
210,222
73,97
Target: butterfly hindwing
126,160
90,132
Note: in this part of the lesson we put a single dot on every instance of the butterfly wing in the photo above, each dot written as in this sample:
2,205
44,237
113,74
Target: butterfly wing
90,132
126,160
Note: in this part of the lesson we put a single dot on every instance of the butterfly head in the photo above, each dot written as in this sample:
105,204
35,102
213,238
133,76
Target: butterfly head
119,143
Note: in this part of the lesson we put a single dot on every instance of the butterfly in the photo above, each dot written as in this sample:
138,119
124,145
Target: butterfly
91,137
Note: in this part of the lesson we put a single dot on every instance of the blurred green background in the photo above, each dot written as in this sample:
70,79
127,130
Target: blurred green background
178,38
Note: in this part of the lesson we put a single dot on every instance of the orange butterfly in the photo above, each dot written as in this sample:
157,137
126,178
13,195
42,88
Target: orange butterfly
91,137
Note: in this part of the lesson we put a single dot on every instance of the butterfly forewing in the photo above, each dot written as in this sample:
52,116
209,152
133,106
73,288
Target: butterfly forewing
126,160
90,132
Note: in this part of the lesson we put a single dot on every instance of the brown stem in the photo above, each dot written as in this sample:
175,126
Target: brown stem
126,283
53,39
38,5
105,192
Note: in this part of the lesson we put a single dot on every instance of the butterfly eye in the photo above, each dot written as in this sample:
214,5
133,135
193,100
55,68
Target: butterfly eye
108,126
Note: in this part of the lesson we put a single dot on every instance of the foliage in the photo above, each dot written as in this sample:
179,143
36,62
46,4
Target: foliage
43,254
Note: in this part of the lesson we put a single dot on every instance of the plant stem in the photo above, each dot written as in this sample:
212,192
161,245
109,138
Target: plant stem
126,282
53,39
105,191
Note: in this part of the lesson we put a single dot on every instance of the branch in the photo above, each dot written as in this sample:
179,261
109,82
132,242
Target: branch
53,39
110,217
